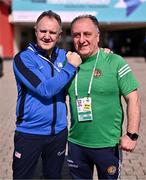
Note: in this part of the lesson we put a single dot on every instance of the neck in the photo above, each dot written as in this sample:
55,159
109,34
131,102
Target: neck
88,56
46,53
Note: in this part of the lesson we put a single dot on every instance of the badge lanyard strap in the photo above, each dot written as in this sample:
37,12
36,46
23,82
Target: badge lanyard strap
91,80
45,59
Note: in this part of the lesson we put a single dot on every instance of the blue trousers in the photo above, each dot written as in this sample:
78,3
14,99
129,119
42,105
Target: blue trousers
28,148
81,161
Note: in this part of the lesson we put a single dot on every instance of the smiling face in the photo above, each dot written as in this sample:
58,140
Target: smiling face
85,36
47,33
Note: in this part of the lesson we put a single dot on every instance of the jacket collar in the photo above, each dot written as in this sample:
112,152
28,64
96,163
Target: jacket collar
38,50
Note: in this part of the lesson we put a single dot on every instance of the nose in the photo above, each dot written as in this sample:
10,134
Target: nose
82,39
47,35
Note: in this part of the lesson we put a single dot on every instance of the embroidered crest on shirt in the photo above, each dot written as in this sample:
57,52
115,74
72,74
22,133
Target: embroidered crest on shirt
97,73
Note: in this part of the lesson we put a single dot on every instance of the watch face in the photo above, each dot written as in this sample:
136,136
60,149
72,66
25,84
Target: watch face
133,136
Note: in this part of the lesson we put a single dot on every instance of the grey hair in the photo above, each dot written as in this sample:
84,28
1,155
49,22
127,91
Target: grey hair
89,16
49,14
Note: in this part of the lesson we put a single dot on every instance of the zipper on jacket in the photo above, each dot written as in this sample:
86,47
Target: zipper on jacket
54,107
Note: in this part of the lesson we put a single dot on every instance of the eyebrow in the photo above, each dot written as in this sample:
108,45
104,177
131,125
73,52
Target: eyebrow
44,29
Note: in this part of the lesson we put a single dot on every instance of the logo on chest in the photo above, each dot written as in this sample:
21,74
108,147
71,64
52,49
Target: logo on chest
97,73
59,64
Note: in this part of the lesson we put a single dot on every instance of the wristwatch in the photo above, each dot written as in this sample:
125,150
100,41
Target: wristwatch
132,136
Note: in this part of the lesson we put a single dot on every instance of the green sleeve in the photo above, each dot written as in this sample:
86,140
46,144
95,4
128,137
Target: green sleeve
126,78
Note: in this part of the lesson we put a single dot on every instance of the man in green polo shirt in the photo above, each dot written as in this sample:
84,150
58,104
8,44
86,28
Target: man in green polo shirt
95,136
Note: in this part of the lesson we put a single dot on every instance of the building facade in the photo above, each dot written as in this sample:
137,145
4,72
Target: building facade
123,22
6,30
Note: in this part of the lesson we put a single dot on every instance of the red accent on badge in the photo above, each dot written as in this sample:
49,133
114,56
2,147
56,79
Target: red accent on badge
97,73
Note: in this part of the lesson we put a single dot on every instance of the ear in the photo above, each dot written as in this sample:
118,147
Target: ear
60,34
98,37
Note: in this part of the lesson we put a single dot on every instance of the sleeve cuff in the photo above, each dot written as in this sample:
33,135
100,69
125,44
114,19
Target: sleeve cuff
69,68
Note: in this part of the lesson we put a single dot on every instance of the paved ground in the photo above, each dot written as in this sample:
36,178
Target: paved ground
134,164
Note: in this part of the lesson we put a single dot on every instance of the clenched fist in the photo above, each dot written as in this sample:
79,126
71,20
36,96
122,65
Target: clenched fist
73,58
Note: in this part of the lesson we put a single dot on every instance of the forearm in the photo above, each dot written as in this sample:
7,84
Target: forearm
133,121
133,112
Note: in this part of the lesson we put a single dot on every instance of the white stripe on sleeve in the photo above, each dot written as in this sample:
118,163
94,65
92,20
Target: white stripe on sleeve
124,70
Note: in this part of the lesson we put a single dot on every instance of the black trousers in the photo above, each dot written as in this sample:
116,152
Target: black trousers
81,161
28,148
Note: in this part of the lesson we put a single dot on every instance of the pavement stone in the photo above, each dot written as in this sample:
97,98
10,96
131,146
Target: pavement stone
134,164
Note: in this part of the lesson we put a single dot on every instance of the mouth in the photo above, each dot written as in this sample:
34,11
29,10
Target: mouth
83,47
46,41
46,44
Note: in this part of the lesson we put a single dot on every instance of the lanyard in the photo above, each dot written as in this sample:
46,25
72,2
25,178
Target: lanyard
91,80
45,59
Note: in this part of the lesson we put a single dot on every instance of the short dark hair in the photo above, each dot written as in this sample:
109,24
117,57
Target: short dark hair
49,14
91,17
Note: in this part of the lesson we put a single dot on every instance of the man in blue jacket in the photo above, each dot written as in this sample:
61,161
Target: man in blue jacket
41,126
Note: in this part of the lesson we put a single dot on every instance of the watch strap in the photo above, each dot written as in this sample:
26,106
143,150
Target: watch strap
132,136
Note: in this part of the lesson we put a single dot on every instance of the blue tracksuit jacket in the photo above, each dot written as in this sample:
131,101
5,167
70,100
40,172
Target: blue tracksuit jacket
41,107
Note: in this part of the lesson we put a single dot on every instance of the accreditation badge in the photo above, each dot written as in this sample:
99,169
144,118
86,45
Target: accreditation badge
84,109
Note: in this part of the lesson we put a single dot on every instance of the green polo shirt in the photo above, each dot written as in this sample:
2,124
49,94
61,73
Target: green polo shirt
113,78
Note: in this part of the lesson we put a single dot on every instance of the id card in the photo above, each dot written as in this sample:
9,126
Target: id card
84,109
